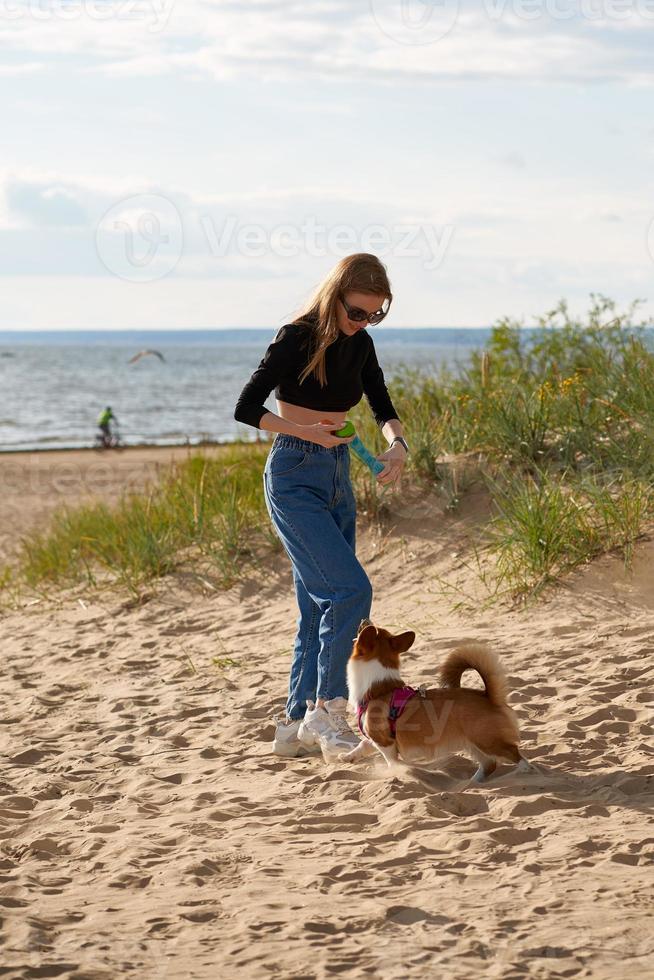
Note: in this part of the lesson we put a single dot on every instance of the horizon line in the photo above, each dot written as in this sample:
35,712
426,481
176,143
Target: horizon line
378,329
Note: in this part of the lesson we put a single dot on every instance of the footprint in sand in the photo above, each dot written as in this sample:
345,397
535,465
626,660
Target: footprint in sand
128,880
513,836
539,805
611,713
407,915
30,757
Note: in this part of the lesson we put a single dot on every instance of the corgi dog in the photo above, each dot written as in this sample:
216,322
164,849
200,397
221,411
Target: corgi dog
422,725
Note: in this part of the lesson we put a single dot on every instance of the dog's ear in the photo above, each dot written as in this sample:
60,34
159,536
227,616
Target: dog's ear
403,641
367,637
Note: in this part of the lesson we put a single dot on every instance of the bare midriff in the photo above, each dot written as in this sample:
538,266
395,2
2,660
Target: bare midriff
309,416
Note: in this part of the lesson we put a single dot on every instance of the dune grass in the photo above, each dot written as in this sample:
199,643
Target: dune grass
560,421
212,508
561,418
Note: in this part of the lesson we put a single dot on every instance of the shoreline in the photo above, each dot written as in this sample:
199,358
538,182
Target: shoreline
135,447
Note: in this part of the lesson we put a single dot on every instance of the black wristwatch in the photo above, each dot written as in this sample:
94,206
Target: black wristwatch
399,439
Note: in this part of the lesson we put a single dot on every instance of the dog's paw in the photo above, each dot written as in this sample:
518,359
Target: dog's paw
360,751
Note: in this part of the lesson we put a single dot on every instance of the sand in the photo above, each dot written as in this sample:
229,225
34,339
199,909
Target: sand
147,831
33,484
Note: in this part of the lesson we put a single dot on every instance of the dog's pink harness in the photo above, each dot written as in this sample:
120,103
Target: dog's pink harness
399,700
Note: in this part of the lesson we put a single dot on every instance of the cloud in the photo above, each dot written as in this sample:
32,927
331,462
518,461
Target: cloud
137,232
43,205
514,160
24,68
339,41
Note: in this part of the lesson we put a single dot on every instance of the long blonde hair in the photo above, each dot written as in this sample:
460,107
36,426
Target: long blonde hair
362,273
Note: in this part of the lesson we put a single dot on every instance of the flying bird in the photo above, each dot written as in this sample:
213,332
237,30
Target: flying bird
144,353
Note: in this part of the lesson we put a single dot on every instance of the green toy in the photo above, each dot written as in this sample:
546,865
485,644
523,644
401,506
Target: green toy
364,454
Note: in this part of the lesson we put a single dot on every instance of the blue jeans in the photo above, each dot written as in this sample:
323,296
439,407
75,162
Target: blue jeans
311,505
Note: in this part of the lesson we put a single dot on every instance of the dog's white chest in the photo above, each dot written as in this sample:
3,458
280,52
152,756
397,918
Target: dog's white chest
364,674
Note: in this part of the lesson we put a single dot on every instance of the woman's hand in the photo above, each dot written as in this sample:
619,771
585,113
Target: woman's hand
323,434
394,458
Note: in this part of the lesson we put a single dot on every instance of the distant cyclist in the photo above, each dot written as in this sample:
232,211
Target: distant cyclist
105,418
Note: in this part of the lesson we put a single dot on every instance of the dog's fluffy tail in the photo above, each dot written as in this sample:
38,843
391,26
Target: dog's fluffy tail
476,656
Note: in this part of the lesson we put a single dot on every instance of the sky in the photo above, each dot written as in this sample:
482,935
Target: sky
172,164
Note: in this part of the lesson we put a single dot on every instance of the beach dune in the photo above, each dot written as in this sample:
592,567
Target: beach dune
147,831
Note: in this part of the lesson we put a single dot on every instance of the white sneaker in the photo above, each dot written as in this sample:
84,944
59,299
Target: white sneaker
328,729
286,742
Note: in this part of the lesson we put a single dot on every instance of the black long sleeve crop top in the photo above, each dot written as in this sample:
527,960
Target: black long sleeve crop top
351,366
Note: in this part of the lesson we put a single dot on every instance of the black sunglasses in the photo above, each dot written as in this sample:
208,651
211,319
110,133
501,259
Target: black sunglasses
357,315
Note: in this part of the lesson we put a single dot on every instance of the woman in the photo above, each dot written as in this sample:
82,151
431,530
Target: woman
320,365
